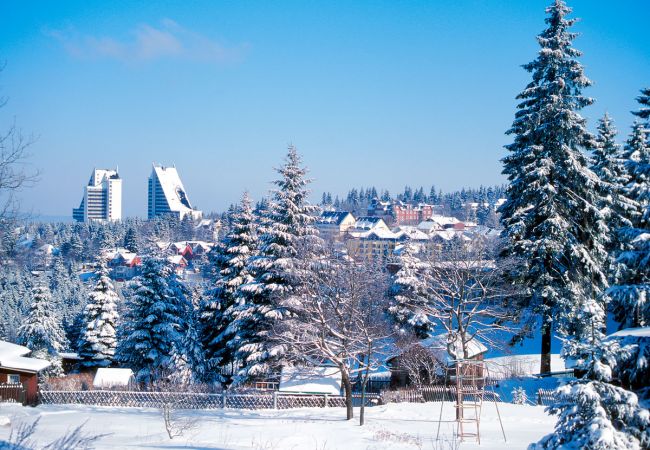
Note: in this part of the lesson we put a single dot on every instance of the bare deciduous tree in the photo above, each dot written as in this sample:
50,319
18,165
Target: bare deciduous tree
466,294
14,174
340,321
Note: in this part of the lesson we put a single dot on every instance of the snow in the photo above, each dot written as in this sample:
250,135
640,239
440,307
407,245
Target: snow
23,363
12,356
637,332
7,349
394,426
521,365
109,377
314,380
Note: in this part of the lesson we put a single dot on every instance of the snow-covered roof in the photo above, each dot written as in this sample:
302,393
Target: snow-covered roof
411,232
438,344
176,259
8,349
521,365
23,363
12,356
109,377
369,223
321,380
636,332
332,217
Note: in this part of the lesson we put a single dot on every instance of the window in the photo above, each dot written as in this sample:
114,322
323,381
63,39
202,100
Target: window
13,379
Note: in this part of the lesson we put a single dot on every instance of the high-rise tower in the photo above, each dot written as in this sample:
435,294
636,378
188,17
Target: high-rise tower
102,199
167,194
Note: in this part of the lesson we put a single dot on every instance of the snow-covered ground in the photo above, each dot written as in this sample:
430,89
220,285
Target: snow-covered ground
394,426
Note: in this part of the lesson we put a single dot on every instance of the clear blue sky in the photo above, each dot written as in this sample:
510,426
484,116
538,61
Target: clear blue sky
382,93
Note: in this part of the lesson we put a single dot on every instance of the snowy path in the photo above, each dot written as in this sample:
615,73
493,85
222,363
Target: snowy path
396,426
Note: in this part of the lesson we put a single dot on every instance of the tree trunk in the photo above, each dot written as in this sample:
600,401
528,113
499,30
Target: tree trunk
347,386
545,365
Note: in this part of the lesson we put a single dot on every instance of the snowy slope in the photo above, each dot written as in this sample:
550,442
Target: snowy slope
396,426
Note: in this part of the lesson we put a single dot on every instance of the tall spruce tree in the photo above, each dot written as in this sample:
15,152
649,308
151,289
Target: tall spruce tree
41,330
631,293
288,246
97,341
410,288
153,323
644,110
551,219
221,305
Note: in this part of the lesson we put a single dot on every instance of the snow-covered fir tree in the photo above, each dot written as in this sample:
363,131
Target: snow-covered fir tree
409,288
289,245
592,412
188,360
41,330
631,293
551,219
153,323
131,240
97,341
223,302
644,110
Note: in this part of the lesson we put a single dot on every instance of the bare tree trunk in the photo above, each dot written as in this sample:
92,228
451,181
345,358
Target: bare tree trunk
364,383
545,365
347,386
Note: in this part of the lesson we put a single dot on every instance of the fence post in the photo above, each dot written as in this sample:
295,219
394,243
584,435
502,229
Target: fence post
325,400
223,399
275,399
539,397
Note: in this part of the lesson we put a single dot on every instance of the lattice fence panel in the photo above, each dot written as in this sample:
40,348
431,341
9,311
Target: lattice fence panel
184,400
545,396
249,401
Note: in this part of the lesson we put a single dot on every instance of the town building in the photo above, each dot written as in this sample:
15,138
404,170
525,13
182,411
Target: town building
332,225
102,197
167,195
400,213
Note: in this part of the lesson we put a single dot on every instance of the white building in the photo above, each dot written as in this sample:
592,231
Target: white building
102,198
167,194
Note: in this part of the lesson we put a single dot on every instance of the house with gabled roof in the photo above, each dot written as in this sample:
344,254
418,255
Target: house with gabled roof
19,373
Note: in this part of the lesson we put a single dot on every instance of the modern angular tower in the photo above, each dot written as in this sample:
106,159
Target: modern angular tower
102,199
167,194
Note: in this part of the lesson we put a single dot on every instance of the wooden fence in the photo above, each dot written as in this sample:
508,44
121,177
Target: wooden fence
434,393
189,400
13,393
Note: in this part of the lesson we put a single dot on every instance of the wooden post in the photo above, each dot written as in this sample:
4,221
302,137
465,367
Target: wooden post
223,399
275,399
325,400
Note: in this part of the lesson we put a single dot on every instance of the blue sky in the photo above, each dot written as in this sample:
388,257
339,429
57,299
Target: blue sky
382,93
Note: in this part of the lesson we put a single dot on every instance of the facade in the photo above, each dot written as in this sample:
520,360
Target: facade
400,213
167,195
102,198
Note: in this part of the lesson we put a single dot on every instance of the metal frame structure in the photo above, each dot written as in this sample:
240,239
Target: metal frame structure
470,378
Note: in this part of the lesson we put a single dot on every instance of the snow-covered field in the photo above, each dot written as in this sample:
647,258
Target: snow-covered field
394,426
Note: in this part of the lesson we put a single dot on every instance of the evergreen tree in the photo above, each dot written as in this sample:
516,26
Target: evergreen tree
97,342
153,323
592,412
41,330
409,288
220,308
551,219
644,101
631,292
131,240
288,245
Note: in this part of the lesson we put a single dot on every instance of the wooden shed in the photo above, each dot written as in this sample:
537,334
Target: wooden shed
19,374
